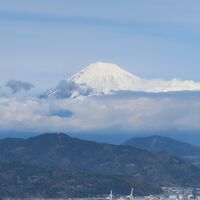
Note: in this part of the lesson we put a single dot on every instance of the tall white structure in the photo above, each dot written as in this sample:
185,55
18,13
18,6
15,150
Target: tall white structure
110,196
130,197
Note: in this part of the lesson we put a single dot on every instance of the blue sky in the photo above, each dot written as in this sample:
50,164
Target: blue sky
45,41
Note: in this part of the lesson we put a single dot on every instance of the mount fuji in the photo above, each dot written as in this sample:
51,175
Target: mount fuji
107,78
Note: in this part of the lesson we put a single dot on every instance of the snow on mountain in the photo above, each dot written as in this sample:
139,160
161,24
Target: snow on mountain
103,78
106,78
96,79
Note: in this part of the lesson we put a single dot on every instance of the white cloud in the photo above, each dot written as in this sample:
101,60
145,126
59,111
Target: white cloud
144,113
160,85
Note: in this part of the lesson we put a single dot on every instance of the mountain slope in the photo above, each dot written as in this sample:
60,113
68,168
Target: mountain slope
157,144
72,154
19,180
107,78
104,78
96,79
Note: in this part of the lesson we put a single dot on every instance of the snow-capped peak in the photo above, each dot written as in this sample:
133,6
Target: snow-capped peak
106,78
103,78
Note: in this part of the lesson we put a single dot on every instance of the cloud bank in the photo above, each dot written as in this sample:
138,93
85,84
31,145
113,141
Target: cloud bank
142,112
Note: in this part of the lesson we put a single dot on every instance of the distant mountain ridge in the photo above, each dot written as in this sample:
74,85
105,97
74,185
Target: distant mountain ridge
184,150
106,78
96,79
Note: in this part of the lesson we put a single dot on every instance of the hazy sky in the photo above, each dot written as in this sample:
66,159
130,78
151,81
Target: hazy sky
45,41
